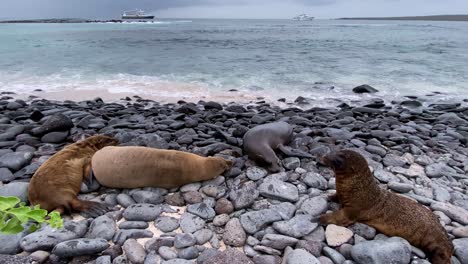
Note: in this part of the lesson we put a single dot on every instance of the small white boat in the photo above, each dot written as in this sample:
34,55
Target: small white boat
136,14
303,17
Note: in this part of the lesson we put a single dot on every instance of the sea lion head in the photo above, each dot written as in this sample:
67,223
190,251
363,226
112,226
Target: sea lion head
101,141
217,165
345,162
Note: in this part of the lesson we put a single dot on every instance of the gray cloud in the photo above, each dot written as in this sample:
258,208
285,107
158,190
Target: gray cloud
227,8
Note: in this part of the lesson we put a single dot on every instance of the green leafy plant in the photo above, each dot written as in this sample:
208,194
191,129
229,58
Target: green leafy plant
14,214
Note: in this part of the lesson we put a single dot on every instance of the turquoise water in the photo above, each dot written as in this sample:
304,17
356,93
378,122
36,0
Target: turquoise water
274,58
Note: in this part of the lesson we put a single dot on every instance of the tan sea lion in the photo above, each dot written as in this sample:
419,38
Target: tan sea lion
136,167
57,182
394,215
261,141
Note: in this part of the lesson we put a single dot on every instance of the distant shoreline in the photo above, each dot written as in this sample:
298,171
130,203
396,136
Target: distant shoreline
415,18
59,20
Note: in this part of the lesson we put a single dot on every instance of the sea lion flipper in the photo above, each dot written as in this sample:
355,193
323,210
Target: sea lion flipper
337,218
89,208
293,152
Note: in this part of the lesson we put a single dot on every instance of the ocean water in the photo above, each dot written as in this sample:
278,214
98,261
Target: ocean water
322,59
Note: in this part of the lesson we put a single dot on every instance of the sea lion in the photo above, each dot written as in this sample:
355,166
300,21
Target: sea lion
56,184
394,215
136,167
260,143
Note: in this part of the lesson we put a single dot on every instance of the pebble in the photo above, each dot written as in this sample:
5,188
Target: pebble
125,234
234,235
125,200
146,197
188,253
223,206
133,225
253,221
16,160
190,223
134,251
256,173
461,249
461,231
229,256
337,235
244,196
279,190
202,210
300,256
167,253
80,247
102,227
202,236
314,206
184,240
400,187
393,250
142,212
166,223
279,242
455,213
298,226
221,220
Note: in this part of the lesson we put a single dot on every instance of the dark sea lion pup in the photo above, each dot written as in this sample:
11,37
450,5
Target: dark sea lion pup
136,167
57,182
260,143
363,201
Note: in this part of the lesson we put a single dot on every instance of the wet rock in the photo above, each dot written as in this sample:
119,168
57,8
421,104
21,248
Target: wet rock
6,175
392,250
57,122
55,137
79,247
134,251
234,235
364,89
142,212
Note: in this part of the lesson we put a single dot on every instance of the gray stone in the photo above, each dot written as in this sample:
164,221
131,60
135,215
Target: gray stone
202,236
55,137
10,244
184,240
314,206
104,260
202,210
279,190
102,227
337,235
297,227
6,175
166,223
455,213
451,119
234,235
400,187
155,243
122,235
279,242
167,253
253,221
363,230
229,256
221,220
393,250
188,253
385,176
315,180
244,196
334,255
314,247
440,194
134,251
206,255
79,247
461,231
152,258
437,170
146,197
291,163
461,249
125,200
300,256
256,173
192,197
16,160
195,186
142,212
376,150
133,225
190,223
391,160
266,259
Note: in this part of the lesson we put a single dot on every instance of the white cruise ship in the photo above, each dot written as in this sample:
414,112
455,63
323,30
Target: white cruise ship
136,14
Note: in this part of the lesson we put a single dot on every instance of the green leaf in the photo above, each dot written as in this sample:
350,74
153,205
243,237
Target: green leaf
21,213
37,215
55,220
34,228
8,202
13,226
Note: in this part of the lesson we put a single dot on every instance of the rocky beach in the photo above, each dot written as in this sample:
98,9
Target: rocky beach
414,147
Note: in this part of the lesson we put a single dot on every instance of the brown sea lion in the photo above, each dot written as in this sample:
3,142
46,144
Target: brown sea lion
260,143
136,167
364,201
57,182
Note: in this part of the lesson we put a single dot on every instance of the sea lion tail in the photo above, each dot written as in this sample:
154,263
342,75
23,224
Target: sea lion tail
89,208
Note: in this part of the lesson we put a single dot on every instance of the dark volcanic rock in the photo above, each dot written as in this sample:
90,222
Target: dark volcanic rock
229,256
364,89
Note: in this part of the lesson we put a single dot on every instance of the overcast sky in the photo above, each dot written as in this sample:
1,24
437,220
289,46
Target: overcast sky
106,9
